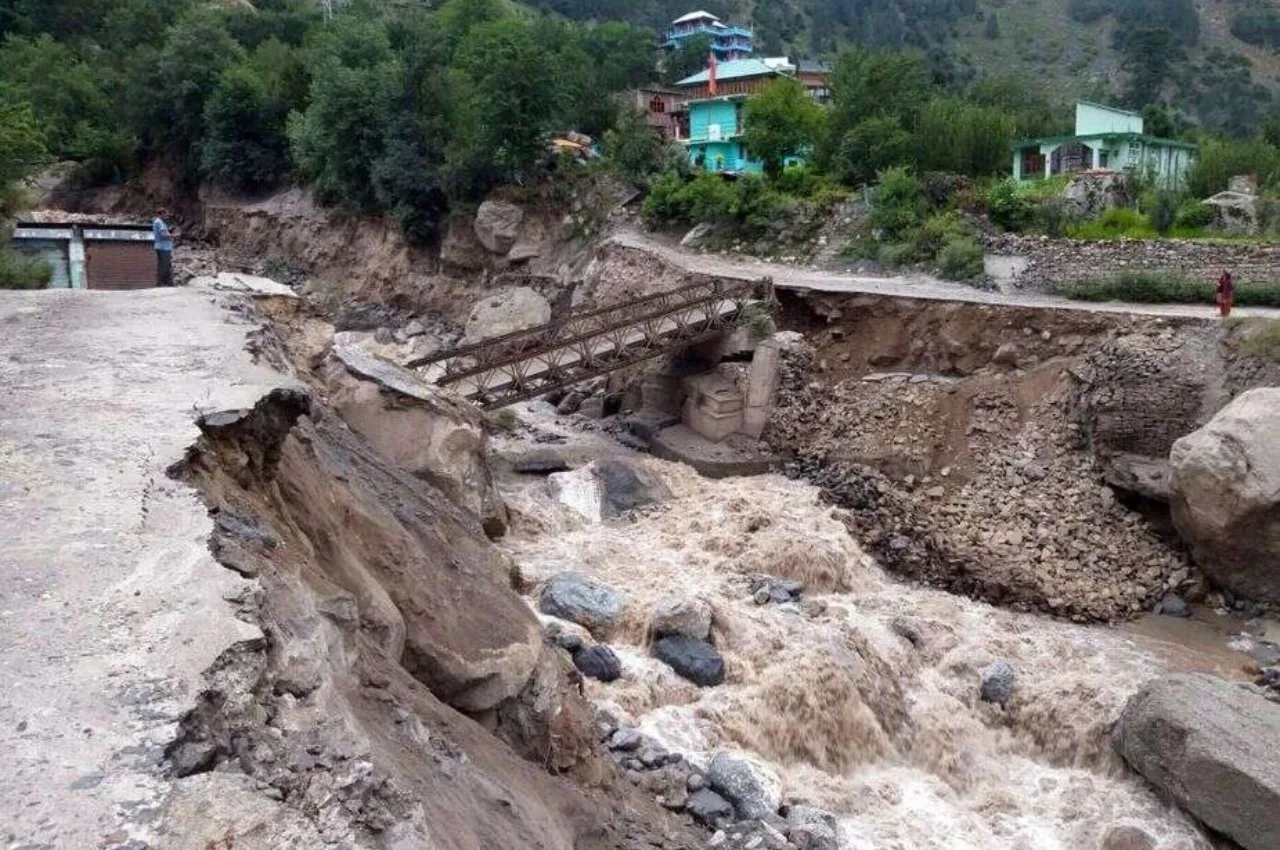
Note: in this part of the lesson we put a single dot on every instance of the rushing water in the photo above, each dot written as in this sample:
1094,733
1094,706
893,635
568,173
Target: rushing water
889,735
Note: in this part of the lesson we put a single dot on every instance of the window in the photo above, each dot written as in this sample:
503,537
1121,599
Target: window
657,105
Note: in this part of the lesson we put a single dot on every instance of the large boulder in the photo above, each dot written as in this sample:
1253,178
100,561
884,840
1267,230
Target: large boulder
695,660
1214,748
416,426
626,486
498,225
606,489
753,788
1224,484
582,600
505,311
681,615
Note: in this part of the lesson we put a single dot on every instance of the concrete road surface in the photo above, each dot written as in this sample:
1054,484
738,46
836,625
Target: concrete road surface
110,604
905,286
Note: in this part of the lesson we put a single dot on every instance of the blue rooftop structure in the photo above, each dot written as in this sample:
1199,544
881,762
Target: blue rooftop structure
728,42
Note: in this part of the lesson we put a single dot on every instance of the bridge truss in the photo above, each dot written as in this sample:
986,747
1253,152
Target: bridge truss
526,364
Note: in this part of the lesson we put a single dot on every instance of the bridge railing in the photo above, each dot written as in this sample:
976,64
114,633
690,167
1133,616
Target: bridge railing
526,363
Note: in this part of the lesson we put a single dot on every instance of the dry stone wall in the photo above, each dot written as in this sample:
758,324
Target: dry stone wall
1055,262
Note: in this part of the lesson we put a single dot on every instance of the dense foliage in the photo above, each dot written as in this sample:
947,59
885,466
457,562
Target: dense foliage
378,109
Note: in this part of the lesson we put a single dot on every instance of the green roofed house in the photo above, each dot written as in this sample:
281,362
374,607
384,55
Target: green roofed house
1107,139
717,97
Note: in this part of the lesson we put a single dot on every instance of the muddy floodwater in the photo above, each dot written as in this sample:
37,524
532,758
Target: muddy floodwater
864,696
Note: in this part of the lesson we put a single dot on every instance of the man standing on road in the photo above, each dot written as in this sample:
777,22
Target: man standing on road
1226,294
164,237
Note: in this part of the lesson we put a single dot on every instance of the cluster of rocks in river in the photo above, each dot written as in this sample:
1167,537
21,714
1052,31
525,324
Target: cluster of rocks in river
735,796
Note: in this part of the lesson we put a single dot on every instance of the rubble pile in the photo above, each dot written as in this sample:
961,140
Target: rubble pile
960,486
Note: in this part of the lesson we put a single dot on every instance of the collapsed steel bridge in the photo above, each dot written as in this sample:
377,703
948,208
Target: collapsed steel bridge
526,364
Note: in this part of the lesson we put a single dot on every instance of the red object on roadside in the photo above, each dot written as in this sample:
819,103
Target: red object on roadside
1226,294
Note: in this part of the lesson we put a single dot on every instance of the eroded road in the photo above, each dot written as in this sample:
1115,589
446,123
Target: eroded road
905,286
110,604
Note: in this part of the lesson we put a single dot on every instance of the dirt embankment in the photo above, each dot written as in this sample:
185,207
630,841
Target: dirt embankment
400,681
970,442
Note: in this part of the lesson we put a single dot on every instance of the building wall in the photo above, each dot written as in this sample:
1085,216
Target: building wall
1092,119
53,252
708,116
722,156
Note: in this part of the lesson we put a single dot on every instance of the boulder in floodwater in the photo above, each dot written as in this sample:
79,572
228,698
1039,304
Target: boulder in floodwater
695,660
580,599
753,788
1214,748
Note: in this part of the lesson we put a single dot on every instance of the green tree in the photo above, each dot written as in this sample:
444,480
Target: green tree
686,60
898,204
871,84
22,148
511,105
960,137
632,147
781,121
1218,160
622,55
22,152
245,146
870,147
170,94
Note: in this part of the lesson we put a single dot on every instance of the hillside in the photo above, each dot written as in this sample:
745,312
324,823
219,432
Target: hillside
1183,51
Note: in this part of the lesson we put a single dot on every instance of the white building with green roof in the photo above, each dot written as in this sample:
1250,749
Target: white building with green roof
1106,139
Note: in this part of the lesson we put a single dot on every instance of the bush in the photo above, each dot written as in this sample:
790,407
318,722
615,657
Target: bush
1052,216
1193,215
1164,212
662,205
897,203
938,231
962,259
1163,288
707,198
898,254
1115,223
1007,206
18,271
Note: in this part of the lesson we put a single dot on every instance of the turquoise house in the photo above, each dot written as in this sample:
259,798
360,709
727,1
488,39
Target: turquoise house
1106,138
715,106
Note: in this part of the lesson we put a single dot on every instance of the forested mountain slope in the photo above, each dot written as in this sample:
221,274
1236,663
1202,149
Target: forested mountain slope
1216,62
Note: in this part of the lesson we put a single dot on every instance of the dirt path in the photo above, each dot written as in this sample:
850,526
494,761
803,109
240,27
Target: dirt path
111,606
906,286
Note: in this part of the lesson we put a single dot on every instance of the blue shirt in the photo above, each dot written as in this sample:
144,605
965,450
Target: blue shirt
164,241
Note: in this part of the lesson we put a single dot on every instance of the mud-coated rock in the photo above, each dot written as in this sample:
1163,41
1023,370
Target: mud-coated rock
1173,605
498,225
709,808
1225,494
582,600
809,828
1214,748
415,426
753,788
695,660
997,683
505,311
681,615
626,486
598,662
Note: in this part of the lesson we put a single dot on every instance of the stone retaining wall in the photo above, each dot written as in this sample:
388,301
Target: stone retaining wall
1053,262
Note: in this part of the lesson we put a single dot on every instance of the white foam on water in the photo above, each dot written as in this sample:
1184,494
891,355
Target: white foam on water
889,736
